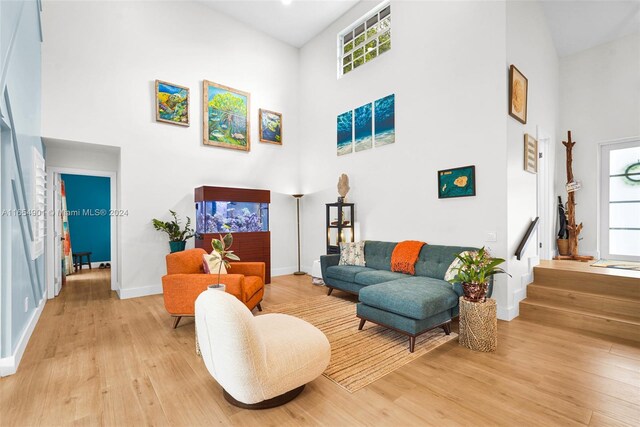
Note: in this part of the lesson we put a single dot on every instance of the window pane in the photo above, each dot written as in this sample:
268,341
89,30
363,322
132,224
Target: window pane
371,21
359,39
371,45
358,62
346,69
621,189
358,52
385,47
346,60
624,215
371,32
359,30
384,37
620,160
386,11
347,37
370,55
624,242
347,47
385,24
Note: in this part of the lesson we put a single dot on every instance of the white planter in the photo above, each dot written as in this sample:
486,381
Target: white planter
218,287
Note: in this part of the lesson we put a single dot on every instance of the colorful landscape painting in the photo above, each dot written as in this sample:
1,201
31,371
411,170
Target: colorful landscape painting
270,127
385,117
458,182
363,127
172,103
345,133
226,117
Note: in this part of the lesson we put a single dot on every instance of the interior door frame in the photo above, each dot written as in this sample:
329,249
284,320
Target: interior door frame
544,192
114,232
602,195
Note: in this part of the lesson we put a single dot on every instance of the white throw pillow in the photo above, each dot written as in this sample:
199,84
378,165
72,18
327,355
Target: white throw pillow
352,254
211,263
455,265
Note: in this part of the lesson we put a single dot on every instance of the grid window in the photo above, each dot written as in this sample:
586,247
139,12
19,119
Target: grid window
365,40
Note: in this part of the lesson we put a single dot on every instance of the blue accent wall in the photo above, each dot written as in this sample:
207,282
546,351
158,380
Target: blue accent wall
90,229
22,284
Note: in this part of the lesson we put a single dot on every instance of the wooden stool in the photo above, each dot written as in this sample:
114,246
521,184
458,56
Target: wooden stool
478,325
77,260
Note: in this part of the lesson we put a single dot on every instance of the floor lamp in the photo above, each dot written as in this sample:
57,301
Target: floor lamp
298,197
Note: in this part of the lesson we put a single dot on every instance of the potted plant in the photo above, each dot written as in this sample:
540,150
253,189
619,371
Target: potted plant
177,236
222,247
474,272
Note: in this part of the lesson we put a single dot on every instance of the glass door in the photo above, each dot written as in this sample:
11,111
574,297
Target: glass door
620,201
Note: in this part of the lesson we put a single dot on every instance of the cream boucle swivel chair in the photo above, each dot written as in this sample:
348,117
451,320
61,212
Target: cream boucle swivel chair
262,361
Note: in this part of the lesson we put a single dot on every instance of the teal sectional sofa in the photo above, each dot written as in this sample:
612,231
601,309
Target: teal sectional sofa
408,304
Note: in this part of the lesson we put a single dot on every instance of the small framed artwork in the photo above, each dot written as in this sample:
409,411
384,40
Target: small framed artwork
172,103
518,89
530,154
384,118
270,127
226,117
363,127
457,182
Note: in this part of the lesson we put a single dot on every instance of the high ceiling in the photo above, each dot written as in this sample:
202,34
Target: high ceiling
580,25
574,24
295,23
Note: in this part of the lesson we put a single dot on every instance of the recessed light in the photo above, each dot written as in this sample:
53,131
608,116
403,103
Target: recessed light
286,2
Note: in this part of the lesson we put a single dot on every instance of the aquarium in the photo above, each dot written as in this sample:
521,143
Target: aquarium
231,217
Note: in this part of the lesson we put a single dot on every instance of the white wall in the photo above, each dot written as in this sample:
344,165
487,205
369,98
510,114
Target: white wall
446,68
100,60
599,101
531,49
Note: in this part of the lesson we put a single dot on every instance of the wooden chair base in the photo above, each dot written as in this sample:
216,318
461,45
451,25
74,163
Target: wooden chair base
265,404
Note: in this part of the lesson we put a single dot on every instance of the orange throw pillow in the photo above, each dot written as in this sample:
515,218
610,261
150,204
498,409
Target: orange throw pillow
405,255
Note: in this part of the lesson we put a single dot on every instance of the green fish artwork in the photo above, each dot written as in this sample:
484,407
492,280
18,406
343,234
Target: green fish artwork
172,103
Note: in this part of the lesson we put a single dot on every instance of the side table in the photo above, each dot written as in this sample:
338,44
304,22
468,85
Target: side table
478,325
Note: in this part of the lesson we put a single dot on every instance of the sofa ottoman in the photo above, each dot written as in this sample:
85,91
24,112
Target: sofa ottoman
411,306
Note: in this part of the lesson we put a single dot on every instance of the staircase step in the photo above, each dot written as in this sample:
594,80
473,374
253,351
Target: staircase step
601,281
554,314
592,303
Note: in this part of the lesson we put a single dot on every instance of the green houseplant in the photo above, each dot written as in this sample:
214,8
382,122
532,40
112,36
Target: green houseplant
222,247
177,236
474,272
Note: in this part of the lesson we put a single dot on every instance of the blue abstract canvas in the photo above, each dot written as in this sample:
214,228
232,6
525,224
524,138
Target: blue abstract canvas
345,133
385,126
363,127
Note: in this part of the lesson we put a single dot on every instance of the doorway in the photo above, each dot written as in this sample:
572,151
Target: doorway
545,205
619,225
91,215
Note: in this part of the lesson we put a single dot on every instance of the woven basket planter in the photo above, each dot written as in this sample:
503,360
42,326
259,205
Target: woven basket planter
478,325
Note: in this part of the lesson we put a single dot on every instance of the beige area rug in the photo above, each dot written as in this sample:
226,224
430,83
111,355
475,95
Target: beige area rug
359,358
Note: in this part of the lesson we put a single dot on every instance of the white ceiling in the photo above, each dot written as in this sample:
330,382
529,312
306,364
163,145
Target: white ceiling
579,25
295,24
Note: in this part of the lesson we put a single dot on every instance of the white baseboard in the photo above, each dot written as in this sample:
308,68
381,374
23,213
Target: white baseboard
283,271
9,365
126,293
508,314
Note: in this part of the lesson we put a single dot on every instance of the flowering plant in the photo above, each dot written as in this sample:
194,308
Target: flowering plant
474,272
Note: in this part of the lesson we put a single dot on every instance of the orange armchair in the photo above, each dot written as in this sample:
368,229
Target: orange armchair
186,279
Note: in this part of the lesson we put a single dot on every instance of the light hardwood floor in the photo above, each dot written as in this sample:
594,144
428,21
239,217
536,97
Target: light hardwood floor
97,360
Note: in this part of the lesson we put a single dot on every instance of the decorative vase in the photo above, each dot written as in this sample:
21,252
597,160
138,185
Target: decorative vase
563,246
217,287
177,246
475,292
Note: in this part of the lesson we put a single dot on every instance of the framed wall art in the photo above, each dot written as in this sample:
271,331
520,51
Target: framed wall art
530,154
363,127
172,103
457,182
518,90
385,123
344,133
270,127
226,117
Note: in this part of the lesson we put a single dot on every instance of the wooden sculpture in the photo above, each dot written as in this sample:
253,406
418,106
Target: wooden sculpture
573,228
